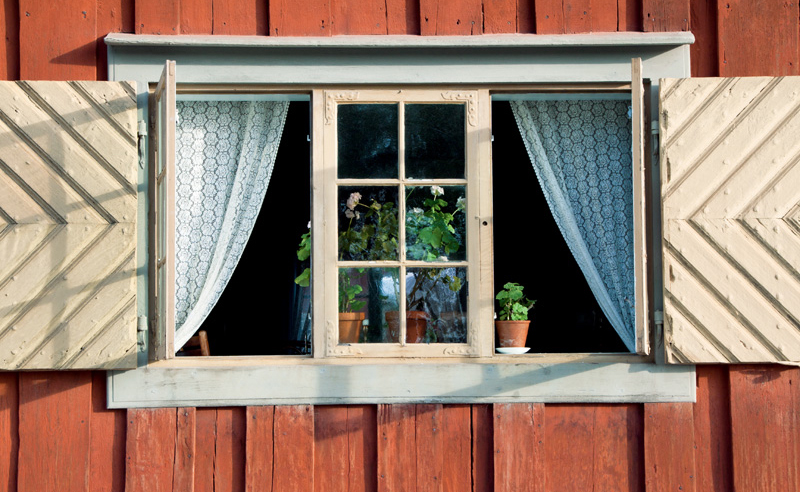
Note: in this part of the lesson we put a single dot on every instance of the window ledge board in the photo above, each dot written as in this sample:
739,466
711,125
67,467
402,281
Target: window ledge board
411,382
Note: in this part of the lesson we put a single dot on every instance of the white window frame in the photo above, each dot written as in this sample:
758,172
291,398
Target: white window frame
480,61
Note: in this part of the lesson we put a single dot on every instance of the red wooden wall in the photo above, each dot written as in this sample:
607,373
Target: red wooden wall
742,434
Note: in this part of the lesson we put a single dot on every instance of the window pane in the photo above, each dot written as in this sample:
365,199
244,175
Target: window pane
436,223
438,297
434,141
366,295
367,223
367,138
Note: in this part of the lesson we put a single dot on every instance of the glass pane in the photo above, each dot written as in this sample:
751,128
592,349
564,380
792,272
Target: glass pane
435,141
367,223
367,297
436,228
437,297
367,137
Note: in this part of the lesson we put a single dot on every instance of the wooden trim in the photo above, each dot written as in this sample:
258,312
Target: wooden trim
640,302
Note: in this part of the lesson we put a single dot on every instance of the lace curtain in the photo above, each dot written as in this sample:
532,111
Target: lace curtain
581,153
225,152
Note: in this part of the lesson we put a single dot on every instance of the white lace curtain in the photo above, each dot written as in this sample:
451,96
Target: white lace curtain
225,152
581,153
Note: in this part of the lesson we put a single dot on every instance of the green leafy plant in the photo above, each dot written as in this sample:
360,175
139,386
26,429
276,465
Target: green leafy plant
513,304
348,292
303,253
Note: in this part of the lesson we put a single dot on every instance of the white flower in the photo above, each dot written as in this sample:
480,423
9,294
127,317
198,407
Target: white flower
437,191
417,210
309,224
442,258
353,200
358,215
461,203
349,214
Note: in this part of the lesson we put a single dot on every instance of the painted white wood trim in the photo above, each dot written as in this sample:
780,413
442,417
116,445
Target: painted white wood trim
440,382
405,41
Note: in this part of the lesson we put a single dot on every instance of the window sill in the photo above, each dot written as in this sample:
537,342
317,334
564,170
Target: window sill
235,381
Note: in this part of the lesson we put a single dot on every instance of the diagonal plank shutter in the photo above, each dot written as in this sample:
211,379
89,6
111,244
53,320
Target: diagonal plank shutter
731,218
67,225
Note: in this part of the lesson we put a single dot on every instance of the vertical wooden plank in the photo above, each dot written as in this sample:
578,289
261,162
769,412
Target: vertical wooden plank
450,17
618,448
765,426
577,16
196,17
669,447
482,448
402,16
112,16
183,470
526,17
362,438
549,17
429,450
258,449
604,15
107,455
359,17
9,430
240,17
569,455
703,52
229,467
456,448
9,40
519,444
54,417
499,16
157,16
712,430
629,15
294,448
331,464
758,38
150,450
397,461
665,15
307,18
205,449
69,53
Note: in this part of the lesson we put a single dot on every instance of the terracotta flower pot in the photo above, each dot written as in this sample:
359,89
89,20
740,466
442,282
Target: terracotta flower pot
511,333
350,327
416,325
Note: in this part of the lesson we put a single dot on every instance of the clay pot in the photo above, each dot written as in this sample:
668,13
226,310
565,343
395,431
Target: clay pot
350,327
511,333
416,325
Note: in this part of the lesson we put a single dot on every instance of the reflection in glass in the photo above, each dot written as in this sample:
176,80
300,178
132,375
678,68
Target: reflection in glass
439,296
367,223
367,141
366,295
435,140
436,223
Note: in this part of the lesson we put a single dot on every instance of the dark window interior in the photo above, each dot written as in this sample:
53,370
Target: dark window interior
259,314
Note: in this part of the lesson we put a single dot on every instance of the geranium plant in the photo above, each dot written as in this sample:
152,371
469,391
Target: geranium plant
514,306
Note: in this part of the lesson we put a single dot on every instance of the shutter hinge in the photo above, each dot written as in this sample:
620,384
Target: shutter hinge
142,136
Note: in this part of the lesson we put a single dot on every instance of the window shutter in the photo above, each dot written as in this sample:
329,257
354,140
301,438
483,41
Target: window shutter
731,216
68,188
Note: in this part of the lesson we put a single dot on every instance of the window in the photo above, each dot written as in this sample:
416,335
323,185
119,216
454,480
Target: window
454,354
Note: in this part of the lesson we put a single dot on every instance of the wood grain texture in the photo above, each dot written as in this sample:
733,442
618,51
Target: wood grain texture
604,15
229,459
712,430
197,17
665,15
359,17
294,440
240,17
456,446
362,447
703,52
429,444
669,447
629,15
307,18
150,450
107,450
70,52
519,447
205,449
575,16
259,449
9,431
112,16
397,460
402,16
454,17
742,21
499,16
185,451
482,448
550,17
526,16
55,413
619,448
765,422
331,453
9,40
157,16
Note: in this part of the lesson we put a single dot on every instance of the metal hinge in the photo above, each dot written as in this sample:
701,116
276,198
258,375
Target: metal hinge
142,137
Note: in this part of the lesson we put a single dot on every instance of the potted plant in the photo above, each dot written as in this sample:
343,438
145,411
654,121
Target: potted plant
512,323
